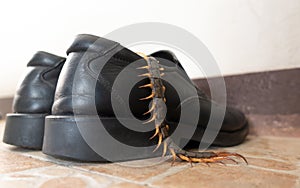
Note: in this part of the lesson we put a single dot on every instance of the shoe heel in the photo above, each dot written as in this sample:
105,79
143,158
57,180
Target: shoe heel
64,139
25,130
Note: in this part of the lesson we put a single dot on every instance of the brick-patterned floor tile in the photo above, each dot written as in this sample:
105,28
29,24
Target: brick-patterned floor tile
229,176
273,162
13,162
130,171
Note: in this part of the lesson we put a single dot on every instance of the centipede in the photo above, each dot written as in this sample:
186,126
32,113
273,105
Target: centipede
158,110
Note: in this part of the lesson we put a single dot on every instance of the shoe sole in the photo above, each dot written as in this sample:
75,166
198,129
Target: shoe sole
25,130
64,138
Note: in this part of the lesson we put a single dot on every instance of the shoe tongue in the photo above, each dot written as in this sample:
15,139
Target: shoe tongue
91,43
45,59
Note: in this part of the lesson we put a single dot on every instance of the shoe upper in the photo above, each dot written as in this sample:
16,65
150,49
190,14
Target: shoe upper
233,118
99,71
79,89
35,92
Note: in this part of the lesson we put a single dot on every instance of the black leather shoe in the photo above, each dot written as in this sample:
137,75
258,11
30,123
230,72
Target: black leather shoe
100,83
33,101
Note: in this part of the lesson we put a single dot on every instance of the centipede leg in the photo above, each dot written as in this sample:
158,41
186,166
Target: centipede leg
173,155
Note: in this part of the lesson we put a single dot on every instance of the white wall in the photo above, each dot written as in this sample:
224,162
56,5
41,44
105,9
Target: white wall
243,35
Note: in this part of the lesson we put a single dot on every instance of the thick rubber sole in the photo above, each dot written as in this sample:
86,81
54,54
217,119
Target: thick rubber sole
83,139
25,130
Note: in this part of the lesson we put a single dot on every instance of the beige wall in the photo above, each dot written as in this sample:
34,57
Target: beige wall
243,35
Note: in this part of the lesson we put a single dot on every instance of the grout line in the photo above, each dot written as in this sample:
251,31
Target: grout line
57,162
111,176
36,174
45,158
271,137
266,158
114,179
4,175
72,165
90,180
169,172
290,172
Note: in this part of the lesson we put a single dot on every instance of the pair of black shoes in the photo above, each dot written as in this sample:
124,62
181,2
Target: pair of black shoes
88,108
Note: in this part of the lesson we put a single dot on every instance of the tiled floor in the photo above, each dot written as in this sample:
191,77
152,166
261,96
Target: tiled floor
273,162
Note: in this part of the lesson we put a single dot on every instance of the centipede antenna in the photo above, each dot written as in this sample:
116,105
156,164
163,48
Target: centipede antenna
242,157
228,154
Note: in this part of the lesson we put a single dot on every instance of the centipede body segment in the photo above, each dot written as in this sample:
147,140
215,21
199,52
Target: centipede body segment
158,110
